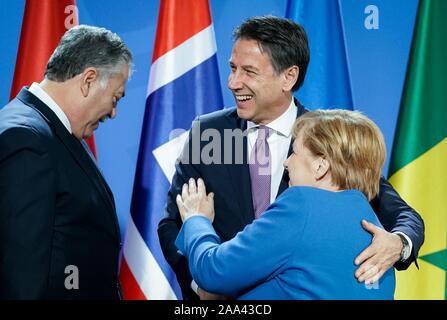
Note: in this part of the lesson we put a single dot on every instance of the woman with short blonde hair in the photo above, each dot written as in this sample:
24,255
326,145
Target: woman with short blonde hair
352,143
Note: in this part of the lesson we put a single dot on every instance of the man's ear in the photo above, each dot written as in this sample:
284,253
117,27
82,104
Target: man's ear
290,77
88,77
321,167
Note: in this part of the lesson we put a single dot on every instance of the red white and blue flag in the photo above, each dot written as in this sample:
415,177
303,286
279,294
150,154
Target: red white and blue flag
183,83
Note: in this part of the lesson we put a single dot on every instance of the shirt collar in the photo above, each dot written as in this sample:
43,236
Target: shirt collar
283,124
45,98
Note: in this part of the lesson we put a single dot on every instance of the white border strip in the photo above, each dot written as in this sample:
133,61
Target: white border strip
167,154
182,58
144,267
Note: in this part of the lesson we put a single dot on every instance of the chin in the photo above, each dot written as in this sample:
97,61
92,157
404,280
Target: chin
244,114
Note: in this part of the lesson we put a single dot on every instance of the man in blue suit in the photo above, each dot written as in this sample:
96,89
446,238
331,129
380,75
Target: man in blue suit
59,234
268,63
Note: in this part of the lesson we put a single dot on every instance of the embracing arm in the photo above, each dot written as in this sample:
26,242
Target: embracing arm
27,205
257,254
397,216
386,247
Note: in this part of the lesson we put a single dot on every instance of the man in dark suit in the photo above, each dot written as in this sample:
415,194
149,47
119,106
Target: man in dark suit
268,62
59,233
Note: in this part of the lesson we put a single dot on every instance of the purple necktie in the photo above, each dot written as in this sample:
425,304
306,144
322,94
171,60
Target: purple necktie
260,171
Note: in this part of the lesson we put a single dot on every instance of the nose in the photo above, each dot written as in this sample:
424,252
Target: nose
234,81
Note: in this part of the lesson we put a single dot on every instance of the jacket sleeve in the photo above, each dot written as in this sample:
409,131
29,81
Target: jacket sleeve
258,253
169,225
396,215
27,206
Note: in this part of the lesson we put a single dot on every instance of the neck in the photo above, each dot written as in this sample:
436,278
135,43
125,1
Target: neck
277,111
326,183
61,93
56,91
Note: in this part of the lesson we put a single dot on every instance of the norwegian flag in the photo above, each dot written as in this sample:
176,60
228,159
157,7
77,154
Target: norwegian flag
183,83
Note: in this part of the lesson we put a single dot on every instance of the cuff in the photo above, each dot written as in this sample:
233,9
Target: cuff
194,287
407,253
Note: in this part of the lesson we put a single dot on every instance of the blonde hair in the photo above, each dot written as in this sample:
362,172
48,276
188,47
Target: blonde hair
352,143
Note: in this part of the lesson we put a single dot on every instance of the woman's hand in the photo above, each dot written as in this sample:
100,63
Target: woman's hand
194,201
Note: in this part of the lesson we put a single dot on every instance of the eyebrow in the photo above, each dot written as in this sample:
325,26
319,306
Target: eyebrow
250,67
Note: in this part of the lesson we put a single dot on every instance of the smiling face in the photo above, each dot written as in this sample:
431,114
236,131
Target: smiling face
100,103
261,94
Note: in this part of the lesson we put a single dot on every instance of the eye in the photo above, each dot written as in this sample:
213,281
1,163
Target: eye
251,72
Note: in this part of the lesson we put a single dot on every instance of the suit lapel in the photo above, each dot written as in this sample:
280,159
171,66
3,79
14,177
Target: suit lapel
74,146
86,163
240,177
284,184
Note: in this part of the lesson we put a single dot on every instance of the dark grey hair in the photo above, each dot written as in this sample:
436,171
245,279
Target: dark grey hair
85,46
284,41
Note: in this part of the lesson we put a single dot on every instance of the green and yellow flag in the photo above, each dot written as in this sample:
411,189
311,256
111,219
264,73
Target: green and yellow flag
418,168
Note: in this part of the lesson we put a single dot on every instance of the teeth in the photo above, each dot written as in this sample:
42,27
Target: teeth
243,98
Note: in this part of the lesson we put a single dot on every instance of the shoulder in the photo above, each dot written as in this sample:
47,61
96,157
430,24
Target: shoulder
225,118
22,127
18,115
305,195
295,201
309,199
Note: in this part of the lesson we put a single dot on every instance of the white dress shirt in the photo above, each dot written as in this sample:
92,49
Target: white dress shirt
279,143
50,103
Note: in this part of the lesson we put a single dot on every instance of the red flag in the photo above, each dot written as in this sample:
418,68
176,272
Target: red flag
44,23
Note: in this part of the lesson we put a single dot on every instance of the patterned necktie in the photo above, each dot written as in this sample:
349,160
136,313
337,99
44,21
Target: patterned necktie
260,171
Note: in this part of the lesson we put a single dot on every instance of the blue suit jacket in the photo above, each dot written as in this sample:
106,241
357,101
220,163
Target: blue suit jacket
233,201
56,210
302,247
